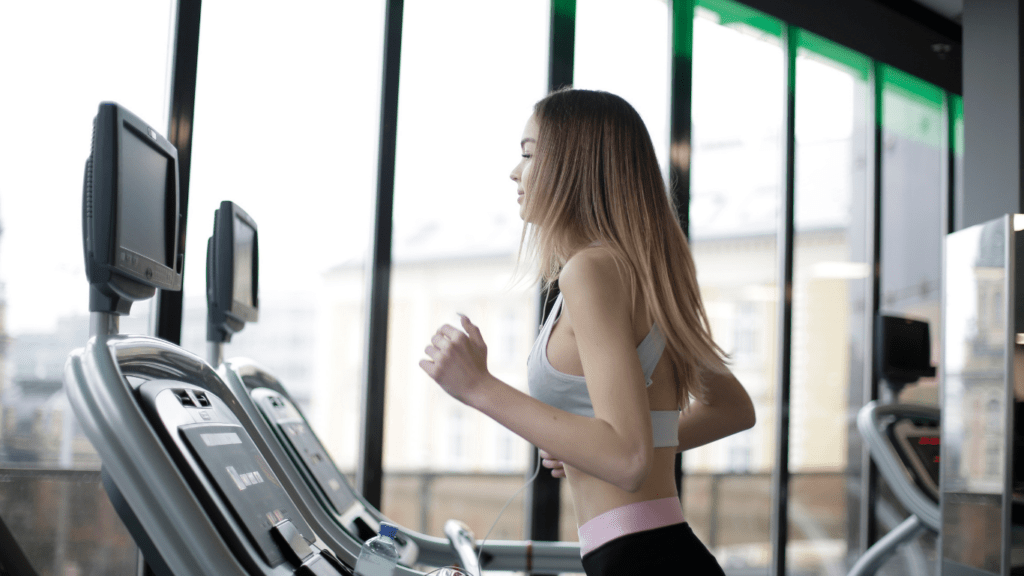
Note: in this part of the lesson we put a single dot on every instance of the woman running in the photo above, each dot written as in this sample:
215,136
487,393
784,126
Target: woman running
626,346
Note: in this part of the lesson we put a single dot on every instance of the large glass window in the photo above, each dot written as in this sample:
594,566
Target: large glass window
738,89
57,67
914,188
913,206
622,47
287,127
833,187
471,72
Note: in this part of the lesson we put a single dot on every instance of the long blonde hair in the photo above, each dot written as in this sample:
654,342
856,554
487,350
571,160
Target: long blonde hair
595,177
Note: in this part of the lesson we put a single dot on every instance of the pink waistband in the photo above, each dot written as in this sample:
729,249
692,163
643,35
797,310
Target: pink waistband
628,519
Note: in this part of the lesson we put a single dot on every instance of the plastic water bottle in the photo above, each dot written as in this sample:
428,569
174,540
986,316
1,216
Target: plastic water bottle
379,555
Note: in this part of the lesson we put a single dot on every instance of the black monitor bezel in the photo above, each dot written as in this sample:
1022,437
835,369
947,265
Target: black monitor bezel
225,314
888,329
119,275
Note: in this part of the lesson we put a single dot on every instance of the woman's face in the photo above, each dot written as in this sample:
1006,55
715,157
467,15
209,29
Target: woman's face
520,174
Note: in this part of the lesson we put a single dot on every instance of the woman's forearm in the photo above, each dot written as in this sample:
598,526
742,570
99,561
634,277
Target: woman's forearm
702,424
729,411
589,444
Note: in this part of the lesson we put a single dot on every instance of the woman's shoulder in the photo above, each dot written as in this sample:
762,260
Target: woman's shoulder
593,267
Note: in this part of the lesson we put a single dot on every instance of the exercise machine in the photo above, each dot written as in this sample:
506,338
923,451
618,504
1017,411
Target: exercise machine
339,514
179,467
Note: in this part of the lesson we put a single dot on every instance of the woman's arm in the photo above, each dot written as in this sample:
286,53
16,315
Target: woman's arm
726,411
589,444
729,412
616,445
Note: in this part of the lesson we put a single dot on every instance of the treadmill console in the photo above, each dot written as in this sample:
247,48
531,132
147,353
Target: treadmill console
237,486
917,443
310,456
303,445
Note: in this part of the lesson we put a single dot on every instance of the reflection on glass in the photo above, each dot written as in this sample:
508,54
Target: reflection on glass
289,131
975,410
471,72
738,85
832,174
64,523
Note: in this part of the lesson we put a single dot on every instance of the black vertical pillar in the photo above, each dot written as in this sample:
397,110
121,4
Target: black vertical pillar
369,474
563,44
680,126
543,501
869,473
993,89
780,474
168,305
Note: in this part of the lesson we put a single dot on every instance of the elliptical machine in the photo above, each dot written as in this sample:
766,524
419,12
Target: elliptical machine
903,439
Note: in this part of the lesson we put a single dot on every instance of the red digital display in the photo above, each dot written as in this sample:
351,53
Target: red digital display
928,441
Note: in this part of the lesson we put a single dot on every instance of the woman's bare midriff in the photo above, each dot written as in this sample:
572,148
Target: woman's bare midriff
592,496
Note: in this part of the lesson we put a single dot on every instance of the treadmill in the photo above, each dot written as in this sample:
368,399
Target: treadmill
904,440
339,514
179,466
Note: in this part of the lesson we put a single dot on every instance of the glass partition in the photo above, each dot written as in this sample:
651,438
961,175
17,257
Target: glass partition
833,186
914,197
913,207
980,289
287,127
471,72
738,90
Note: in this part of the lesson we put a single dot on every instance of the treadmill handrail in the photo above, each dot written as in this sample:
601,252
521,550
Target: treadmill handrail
909,495
170,511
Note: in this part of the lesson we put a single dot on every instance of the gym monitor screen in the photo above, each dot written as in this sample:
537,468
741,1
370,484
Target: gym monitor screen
245,247
142,223
130,210
232,273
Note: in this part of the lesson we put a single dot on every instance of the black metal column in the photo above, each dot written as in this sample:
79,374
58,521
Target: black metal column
369,474
951,172
167,321
681,129
543,499
869,477
780,474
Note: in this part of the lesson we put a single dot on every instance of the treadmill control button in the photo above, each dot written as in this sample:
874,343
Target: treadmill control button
291,542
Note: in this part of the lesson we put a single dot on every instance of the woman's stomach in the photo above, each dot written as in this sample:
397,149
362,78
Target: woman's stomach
592,496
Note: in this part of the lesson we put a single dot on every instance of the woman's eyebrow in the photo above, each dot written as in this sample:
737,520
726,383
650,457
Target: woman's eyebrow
525,140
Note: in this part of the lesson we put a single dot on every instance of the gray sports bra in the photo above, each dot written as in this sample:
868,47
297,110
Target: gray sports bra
569,392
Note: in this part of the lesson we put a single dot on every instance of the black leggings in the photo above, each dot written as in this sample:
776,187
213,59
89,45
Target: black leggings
670,550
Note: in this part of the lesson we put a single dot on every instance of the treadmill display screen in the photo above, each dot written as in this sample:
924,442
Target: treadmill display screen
245,480
927,450
319,464
245,239
144,209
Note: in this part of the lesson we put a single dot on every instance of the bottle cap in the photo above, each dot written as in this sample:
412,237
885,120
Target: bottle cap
388,530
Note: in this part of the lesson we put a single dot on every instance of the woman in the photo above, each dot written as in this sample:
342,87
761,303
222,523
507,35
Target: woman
629,316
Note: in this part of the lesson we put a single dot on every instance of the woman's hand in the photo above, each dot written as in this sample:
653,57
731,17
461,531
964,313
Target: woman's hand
458,360
556,466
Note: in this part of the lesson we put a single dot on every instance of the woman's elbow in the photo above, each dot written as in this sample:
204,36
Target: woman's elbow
635,471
